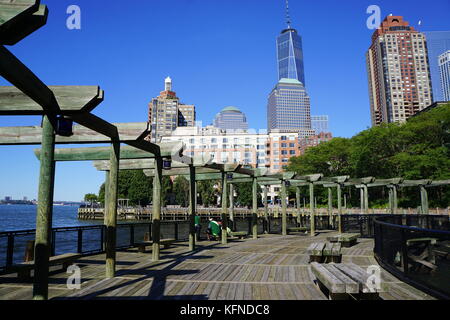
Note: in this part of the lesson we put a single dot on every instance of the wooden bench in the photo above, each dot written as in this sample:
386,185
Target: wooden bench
343,281
238,234
297,229
165,242
324,252
346,239
315,251
332,252
424,256
24,269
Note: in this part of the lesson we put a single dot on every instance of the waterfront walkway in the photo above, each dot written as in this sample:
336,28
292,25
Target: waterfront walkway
272,267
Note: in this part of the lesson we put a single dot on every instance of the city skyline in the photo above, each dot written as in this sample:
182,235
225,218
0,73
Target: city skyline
204,79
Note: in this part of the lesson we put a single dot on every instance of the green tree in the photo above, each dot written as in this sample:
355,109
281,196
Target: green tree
207,192
101,194
181,191
244,193
90,197
141,188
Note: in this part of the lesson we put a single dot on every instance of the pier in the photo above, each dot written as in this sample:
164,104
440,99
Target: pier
272,267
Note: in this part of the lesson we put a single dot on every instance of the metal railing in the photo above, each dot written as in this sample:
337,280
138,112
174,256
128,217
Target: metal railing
85,240
416,249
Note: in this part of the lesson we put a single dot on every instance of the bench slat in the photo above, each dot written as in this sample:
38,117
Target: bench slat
328,279
351,286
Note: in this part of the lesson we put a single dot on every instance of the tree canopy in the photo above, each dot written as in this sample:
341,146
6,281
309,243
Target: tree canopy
417,149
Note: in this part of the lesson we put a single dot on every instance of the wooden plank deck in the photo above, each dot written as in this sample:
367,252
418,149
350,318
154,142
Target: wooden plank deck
272,267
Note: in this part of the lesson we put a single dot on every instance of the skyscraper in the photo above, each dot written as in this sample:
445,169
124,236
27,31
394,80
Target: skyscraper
166,113
398,72
288,106
437,43
231,118
290,53
444,70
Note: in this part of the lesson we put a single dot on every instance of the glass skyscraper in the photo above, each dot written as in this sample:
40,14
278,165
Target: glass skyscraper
438,42
288,108
290,56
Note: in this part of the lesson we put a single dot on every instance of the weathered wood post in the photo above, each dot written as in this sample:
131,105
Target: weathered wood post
424,199
366,198
44,211
394,199
266,210
330,206
233,224
111,210
312,209
255,208
156,208
106,195
283,207
298,200
339,203
361,197
192,200
224,208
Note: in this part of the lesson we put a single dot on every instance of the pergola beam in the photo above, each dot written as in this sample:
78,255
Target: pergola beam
32,135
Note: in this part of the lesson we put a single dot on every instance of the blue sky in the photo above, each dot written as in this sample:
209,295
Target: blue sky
218,53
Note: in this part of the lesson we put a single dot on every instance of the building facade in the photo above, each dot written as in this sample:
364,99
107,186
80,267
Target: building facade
398,72
319,124
166,113
313,141
288,108
282,147
444,72
231,119
438,42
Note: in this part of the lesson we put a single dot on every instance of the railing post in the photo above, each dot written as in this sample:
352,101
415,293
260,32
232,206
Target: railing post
255,208
10,250
53,246
102,237
404,252
80,241
176,231
132,235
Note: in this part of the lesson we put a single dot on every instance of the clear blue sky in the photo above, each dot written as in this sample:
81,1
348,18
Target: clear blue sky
218,53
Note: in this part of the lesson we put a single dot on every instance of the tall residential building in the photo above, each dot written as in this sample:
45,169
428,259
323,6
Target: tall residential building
231,119
288,108
166,113
444,71
398,72
319,124
437,43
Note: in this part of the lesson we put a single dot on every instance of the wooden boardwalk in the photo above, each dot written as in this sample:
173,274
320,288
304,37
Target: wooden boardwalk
273,267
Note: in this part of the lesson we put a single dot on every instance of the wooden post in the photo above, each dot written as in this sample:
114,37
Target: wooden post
266,210
106,194
192,200
156,208
394,199
366,199
339,197
298,200
283,207
233,224
391,200
424,199
44,211
330,206
255,208
361,197
312,210
110,218
224,208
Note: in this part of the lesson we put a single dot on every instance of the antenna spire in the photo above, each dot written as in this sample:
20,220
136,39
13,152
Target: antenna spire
288,19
